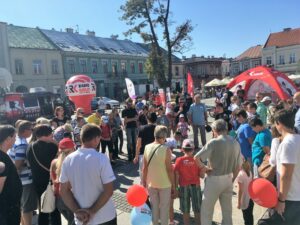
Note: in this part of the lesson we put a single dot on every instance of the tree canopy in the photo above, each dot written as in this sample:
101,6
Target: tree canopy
151,20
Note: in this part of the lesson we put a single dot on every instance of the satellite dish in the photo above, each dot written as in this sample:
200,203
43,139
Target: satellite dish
5,78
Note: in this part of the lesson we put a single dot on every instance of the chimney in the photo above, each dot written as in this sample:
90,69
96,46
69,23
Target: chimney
90,33
286,29
69,30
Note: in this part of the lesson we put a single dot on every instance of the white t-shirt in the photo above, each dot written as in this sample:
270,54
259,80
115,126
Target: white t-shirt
243,179
87,170
289,153
274,147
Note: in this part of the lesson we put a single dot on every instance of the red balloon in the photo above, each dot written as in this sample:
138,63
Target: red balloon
81,89
263,193
136,195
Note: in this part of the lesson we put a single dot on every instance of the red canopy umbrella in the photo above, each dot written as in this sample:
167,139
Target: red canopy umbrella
265,80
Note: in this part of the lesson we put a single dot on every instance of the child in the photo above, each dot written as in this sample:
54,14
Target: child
188,178
79,124
183,126
251,111
106,137
244,202
178,138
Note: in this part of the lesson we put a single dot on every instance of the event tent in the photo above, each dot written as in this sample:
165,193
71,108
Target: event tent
226,80
265,80
214,83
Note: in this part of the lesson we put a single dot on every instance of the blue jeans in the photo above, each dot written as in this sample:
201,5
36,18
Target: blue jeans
131,142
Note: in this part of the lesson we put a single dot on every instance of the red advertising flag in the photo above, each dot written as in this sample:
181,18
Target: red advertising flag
190,85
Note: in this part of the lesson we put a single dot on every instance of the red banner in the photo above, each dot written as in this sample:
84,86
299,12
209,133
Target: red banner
190,85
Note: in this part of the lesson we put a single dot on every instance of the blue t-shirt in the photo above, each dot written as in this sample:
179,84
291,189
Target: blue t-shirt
243,133
262,139
197,113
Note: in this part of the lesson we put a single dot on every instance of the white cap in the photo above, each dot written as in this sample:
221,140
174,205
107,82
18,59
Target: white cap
266,98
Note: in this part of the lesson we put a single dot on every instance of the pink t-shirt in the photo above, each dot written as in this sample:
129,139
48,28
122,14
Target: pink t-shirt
243,179
183,127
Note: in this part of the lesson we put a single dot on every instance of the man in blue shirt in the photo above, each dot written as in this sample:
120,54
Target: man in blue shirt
197,115
245,135
261,144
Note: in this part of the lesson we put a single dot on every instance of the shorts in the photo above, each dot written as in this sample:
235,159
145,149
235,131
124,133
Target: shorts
29,200
191,193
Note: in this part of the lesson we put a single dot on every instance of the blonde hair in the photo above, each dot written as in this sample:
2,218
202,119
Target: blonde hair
246,167
59,162
68,128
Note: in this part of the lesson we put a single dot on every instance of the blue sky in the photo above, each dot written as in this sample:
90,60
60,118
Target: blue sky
221,27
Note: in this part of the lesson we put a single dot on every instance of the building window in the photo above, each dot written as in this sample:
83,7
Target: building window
71,64
37,67
141,67
281,59
123,67
105,67
19,66
269,60
54,66
176,71
245,66
132,67
256,63
114,68
83,66
292,58
94,67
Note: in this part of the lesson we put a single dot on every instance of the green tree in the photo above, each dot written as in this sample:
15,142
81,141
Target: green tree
148,18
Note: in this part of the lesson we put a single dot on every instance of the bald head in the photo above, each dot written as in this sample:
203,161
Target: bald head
297,98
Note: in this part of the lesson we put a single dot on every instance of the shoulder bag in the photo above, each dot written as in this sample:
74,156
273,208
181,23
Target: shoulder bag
265,170
47,201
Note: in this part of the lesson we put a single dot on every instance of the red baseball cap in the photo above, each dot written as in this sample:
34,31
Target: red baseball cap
66,143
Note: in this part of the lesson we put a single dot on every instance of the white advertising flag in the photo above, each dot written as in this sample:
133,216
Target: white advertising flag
130,88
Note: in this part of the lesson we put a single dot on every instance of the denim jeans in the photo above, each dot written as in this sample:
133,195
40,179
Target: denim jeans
131,134
290,215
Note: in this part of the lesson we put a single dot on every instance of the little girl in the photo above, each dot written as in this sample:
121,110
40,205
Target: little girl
183,127
244,202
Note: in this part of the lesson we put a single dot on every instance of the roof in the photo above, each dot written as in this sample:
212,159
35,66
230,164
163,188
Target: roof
74,42
250,53
147,47
25,37
287,37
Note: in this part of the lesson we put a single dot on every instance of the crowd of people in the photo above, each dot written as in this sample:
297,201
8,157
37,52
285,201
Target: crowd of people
70,153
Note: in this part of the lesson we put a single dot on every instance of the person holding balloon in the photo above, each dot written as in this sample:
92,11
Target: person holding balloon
287,208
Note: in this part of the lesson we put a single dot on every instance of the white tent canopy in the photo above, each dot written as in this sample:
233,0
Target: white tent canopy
5,78
214,83
226,80
295,78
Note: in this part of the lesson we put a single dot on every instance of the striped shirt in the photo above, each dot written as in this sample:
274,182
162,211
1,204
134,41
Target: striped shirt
18,152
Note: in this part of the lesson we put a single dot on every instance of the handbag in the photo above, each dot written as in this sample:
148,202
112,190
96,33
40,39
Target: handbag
265,170
47,201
